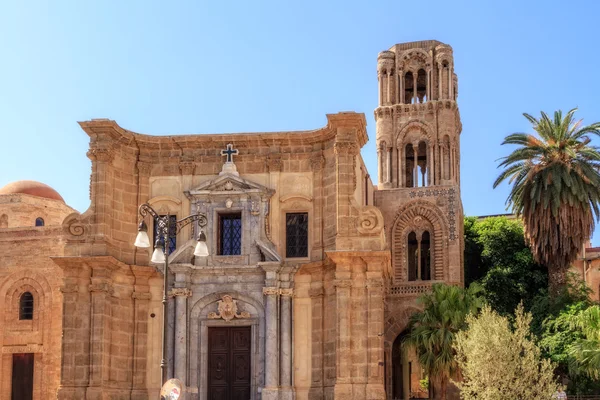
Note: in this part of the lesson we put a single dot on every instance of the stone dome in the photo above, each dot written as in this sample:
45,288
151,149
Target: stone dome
32,188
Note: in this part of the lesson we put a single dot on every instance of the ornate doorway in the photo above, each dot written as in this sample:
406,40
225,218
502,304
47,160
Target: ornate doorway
229,372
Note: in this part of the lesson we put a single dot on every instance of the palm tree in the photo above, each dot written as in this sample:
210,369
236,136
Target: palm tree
555,187
586,351
431,331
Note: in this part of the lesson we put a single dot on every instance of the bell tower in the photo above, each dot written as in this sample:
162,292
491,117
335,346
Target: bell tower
418,147
418,124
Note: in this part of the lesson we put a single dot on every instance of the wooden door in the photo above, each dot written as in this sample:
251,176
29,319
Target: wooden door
229,363
22,376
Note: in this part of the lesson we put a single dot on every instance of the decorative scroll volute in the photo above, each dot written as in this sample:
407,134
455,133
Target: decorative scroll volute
370,221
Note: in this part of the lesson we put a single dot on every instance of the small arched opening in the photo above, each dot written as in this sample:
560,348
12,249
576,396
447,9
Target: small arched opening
407,374
422,172
39,221
409,89
412,251
409,165
422,86
26,306
446,157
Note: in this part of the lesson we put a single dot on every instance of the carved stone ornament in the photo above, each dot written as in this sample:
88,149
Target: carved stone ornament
370,221
317,161
269,291
180,292
227,309
100,154
228,203
287,292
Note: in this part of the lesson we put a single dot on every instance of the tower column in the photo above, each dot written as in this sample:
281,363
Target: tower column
416,164
389,87
439,81
415,96
450,81
388,161
428,86
400,87
380,78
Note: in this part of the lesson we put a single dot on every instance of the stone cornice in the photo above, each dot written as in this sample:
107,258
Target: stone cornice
102,129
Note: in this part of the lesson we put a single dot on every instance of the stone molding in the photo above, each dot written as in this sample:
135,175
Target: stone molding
144,168
175,292
101,287
69,288
350,148
286,292
270,291
101,154
342,283
141,296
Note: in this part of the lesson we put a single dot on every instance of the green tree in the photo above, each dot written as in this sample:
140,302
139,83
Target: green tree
496,253
499,361
586,350
431,331
555,187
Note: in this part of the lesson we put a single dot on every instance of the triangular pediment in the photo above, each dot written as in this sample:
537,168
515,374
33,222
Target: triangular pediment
229,183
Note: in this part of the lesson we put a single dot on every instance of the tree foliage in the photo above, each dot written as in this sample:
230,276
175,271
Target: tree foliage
432,331
555,176
496,255
499,361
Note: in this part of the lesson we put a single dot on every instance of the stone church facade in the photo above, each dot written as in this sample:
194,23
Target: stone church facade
312,270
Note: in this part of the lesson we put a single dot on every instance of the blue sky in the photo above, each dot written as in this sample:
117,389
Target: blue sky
174,67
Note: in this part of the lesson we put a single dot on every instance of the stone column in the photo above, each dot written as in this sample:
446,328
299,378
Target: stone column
388,172
401,87
389,87
415,94
316,164
359,328
380,157
180,365
343,384
286,344
439,81
380,77
101,290
378,267
416,164
75,341
141,299
270,391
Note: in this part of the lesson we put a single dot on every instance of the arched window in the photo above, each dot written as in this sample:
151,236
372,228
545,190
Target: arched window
409,165
26,306
39,221
425,257
409,90
422,85
419,257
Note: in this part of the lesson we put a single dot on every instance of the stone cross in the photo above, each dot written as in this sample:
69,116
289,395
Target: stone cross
229,152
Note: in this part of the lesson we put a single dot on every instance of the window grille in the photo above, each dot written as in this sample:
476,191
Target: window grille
230,234
296,235
26,306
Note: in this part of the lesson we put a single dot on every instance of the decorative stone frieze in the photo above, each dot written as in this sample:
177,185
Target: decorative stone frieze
101,287
286,292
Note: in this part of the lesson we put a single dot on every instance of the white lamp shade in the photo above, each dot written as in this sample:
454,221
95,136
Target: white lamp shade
201,249
142,239
158,257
